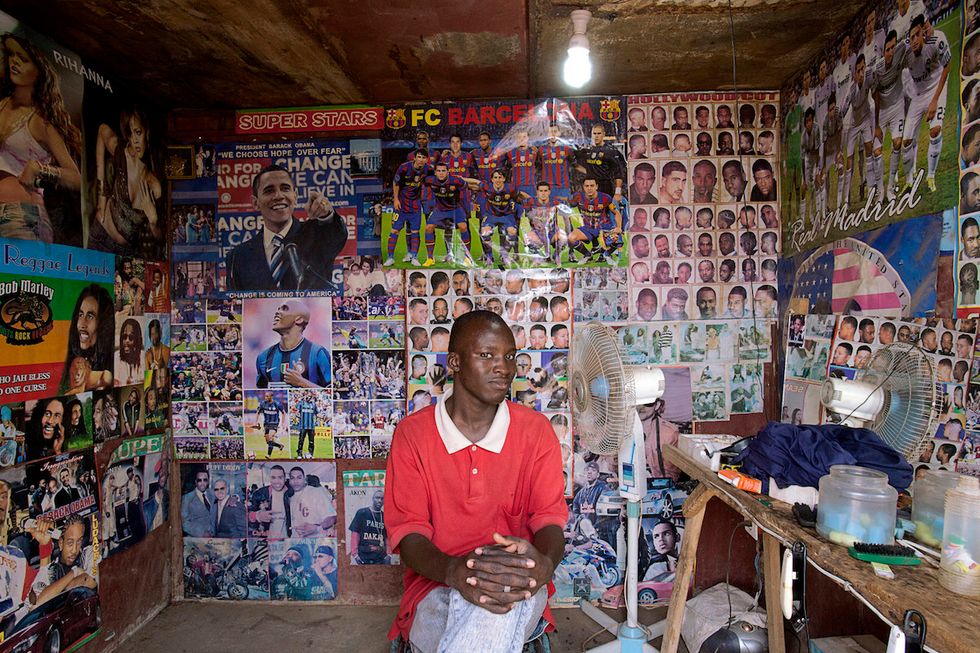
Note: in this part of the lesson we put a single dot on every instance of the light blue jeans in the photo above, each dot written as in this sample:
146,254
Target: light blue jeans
445,622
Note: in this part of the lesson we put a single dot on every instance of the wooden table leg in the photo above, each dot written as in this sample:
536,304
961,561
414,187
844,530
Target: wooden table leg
694,518
774,611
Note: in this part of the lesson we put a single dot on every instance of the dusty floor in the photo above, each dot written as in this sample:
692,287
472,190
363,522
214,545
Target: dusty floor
215,627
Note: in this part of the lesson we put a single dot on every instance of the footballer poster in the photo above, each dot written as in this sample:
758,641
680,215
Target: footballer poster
871,124
504,182
367,536
56,320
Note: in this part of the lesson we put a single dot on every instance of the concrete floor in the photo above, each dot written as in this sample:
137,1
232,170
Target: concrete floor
216,627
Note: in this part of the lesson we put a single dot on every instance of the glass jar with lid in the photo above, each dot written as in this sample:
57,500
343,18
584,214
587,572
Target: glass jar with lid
857,505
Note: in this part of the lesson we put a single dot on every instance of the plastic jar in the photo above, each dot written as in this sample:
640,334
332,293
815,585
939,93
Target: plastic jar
929,505
959,569
857,505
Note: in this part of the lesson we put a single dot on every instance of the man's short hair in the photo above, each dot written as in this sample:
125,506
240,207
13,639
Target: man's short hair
645,167
738,291
272,167
918,21
673,166
850,319
733,164
769,290
677,293
847,347
761,164
965,186
491,321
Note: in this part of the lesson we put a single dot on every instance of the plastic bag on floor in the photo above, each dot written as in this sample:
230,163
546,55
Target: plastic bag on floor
708,611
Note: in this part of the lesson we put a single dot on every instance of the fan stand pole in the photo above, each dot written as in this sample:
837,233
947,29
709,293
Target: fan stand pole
631,637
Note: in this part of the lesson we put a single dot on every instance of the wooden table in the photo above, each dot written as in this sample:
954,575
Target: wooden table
952,620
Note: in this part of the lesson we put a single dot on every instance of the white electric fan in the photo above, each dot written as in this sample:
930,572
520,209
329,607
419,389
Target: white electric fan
605,394
895,397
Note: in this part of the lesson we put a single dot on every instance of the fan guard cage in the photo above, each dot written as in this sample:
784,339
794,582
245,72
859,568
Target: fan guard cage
603,393
906,375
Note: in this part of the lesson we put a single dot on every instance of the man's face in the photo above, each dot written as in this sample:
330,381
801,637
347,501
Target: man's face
763,302
598,135
485,366
929,340
868,333
539,339
641,247
861,358
971,241
646,306
287,315
640,219
705,246
726,242
734,181
680,115
636,119
560,339
420,313
663,246
859,73
685,246
707,303
704,181
591,474
127,339
442,172
904,334
484,142
841,355
886,336
297,480
726,271
664,539
66,478
724,115
459,308
559,312
702,115
704,145
763,181
736,304
644,181
673,185
675,305
890,50
973,194
378,500
201,481
461,284
963,348
52,419
590,187
544,194
277,479
87,322
946,341
71,543
276,198
916,39
221,490
440,309
706,270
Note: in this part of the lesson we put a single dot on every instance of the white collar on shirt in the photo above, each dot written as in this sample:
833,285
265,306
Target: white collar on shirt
268,235
455,441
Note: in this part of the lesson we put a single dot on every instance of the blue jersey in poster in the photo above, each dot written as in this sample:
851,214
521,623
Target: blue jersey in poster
309,359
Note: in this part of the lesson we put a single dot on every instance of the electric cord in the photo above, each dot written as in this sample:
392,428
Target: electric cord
728,568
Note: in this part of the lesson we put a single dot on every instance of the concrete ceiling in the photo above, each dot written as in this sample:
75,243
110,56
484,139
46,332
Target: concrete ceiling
212,54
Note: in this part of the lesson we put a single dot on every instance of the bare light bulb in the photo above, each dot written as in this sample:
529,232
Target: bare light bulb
578,68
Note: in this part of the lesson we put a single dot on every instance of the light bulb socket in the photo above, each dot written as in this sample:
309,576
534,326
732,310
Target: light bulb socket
580,20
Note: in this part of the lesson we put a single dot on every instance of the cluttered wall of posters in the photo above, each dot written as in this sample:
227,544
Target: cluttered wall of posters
871,124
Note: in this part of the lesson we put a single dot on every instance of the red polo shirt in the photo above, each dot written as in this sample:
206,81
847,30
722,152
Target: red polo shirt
458,500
